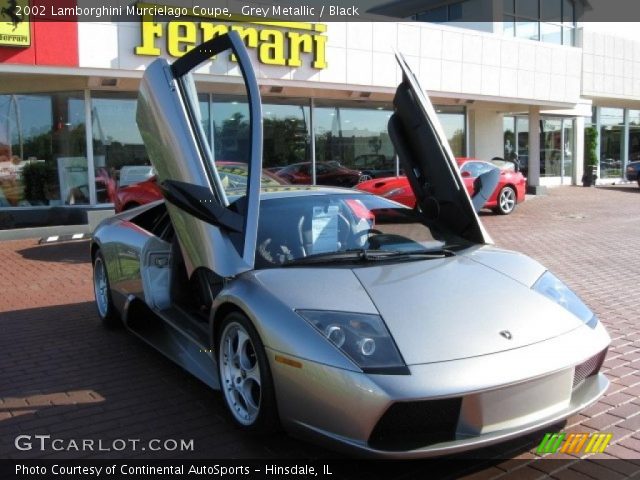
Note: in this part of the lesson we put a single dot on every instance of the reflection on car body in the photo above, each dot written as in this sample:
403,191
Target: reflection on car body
342,316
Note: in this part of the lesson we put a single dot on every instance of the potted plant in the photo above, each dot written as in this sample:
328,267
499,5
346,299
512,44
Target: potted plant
590,156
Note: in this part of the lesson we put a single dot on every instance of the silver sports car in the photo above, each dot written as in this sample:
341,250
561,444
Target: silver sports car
339,315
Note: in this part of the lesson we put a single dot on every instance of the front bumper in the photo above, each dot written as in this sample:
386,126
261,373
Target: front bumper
500,396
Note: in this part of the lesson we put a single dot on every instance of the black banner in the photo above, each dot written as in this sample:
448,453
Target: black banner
331,469
471,11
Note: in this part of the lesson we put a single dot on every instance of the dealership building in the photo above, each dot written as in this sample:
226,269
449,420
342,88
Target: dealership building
527,84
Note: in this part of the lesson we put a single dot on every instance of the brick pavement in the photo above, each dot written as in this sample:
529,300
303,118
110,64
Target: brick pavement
62,374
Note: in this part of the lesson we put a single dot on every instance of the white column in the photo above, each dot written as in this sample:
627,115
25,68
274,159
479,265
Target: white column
625,144
487,136
312,110
533,177
578,151
598,126
88,130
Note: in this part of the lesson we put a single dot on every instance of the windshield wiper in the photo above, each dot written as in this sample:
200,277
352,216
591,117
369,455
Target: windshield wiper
368,255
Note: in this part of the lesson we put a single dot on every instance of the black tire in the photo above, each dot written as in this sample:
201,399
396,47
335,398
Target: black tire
507,201
251,403
102,292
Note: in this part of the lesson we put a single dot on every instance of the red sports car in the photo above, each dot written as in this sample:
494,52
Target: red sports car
509,192
148,191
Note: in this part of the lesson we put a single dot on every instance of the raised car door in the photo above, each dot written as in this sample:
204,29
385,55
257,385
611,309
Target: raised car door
428,162
215,222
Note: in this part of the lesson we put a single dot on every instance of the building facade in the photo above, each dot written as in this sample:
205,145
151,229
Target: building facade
68,98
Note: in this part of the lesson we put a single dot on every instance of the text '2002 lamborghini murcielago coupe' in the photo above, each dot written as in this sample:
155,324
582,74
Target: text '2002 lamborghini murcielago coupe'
337,314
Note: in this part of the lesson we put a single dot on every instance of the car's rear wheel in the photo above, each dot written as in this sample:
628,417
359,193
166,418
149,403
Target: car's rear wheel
245,376
506,201
102,292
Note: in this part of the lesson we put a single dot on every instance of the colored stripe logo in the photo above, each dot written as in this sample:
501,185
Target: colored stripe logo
574,443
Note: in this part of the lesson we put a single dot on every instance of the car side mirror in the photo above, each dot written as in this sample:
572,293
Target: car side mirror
483,186
465,174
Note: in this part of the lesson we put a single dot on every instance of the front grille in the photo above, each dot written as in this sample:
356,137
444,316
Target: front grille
588,368
408,425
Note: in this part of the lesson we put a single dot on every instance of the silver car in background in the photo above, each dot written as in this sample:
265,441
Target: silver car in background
341,316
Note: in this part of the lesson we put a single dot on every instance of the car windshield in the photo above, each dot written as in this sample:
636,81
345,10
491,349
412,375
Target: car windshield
475,169
504,164
345,229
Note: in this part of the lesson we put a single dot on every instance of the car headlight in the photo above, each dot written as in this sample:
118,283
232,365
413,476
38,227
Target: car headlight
553,288
362,337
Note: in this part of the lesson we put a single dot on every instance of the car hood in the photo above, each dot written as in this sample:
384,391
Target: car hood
440,310
436,310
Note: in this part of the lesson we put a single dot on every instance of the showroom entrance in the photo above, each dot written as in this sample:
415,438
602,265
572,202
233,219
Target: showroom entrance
557,146
556,150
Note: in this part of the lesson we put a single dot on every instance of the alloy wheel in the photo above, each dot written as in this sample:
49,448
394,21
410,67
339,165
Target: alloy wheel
100,287
241,379
507,200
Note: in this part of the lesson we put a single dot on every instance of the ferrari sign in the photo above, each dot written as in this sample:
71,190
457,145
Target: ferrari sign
14,23
276,42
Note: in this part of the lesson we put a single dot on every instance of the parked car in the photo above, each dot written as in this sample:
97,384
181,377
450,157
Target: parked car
633,172
509,192
327,173
338,314
233,173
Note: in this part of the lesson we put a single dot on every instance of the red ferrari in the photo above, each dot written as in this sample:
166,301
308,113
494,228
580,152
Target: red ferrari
509,192
134,195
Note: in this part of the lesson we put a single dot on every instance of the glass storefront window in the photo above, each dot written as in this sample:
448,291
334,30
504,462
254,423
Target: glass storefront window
453,120
355,139
634,135
611,135
528,30
551,148
522,132
287,138
117,145
43,160
568,126
509,6
551,33
550,21
509,134
556,148
285,130
527,8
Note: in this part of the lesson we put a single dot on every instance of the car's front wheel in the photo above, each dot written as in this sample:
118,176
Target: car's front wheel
102,291
506,201
245,376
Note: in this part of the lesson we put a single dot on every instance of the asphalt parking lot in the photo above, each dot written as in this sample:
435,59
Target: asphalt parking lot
63,375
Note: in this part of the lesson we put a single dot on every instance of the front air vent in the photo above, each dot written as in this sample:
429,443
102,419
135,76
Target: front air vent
588,368
409,425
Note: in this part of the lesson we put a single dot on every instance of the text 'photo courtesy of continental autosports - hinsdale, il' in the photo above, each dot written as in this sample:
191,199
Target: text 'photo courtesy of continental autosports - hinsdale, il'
339,315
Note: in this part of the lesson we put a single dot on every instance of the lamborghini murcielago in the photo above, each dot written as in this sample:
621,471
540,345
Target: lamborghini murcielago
339,315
